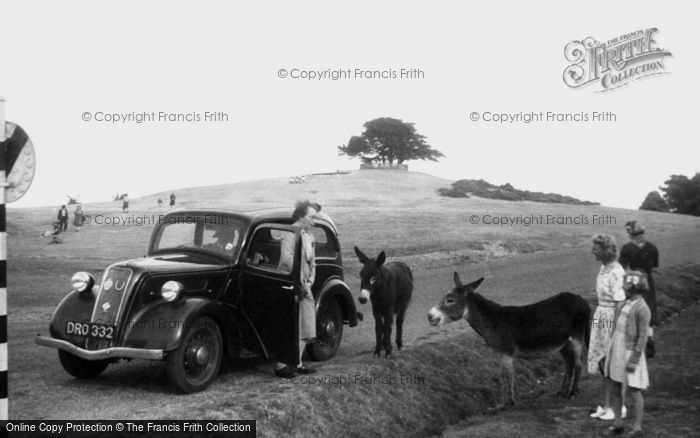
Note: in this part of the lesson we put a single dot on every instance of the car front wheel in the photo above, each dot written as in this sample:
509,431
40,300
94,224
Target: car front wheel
79,367
193,365
329,331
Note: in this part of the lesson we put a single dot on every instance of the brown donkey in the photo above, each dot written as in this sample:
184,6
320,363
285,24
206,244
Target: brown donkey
389,287
559,323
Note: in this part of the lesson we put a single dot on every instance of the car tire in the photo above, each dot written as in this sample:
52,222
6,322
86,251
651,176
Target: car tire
81,368
193,365
329,331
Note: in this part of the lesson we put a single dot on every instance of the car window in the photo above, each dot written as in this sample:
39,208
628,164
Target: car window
272,249
325,243
213,233
173,236
221,238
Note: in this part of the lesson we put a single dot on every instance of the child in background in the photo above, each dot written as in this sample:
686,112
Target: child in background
54,239
626,364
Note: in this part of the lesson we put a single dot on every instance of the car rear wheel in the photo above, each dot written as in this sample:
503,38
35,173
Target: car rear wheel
79,367
193,365
329,331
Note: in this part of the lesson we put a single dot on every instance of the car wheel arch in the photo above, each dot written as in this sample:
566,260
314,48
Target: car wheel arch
336,289
73,306
181,315
229,331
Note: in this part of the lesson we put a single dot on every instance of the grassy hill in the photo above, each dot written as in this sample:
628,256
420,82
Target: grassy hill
372,188
397,211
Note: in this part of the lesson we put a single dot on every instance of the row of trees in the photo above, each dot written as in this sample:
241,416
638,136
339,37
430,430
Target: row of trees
680,195
388,141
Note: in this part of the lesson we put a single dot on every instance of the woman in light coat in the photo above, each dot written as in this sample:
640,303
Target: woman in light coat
610,298
304,216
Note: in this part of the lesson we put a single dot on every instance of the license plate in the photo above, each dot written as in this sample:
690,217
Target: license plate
90,329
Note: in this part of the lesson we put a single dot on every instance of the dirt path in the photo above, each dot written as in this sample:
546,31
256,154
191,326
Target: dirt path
672,403
39,388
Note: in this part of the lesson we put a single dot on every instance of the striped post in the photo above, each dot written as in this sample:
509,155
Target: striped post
3,275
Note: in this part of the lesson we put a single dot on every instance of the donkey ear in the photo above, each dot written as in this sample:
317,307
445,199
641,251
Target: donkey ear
472,286
456,279
360,255
381,259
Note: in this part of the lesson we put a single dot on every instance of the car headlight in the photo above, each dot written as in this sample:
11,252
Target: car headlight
82,281
171,290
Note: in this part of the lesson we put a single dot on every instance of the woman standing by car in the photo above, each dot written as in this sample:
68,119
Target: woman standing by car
304,215
610,297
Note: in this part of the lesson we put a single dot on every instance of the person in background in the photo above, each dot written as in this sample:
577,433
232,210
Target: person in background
172,199
53,234
160,202
125,203
78,217
304,216
640,255
226,239
625,364
610,298
62,218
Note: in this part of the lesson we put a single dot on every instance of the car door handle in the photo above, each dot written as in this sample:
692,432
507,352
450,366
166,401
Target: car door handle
288,287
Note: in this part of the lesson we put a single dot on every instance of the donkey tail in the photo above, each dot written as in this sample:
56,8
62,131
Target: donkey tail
588,329
587,333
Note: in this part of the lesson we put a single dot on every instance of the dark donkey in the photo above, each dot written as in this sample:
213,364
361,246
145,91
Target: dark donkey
559,323
389,287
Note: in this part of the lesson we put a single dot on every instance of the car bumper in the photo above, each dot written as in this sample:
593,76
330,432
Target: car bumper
106,353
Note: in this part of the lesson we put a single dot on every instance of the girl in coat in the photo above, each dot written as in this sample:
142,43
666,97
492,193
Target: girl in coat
625,364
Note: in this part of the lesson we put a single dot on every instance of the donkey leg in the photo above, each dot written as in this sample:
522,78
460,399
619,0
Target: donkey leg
577,346
388,320
378,333
505,385
509,390
567,353
399,329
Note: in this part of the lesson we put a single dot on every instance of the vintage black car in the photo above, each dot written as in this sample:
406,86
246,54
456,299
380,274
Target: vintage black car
211,286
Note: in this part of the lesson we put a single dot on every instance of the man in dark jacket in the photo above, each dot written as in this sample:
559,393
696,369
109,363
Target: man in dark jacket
63,218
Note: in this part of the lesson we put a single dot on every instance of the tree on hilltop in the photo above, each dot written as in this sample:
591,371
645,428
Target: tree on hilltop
388,141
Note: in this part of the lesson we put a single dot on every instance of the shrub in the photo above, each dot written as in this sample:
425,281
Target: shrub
483,189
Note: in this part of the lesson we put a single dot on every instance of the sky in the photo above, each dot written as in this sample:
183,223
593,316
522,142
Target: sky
64,62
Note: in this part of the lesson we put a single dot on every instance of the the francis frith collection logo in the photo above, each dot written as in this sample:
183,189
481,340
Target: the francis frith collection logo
614,63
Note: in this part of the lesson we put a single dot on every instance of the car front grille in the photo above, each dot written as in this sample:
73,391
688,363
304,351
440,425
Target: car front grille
111,302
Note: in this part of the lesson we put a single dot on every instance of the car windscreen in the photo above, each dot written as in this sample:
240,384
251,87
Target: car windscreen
214,233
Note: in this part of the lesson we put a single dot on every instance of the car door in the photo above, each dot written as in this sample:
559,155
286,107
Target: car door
269,285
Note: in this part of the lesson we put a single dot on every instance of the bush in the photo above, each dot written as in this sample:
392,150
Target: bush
452,193
682,194
654,202
483,189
